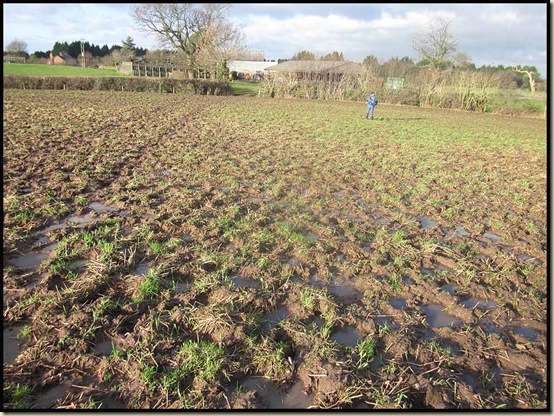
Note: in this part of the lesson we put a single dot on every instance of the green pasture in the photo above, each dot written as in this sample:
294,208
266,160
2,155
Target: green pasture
42,70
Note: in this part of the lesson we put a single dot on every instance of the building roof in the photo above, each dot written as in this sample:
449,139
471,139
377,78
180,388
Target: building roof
335,67
248,66
65,56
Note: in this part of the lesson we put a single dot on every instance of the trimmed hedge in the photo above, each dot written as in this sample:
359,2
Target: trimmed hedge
166,85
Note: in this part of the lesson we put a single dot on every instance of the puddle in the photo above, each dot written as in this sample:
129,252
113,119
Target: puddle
385,321
100,208
78,264
82,219
312,237
317,323
408,281
49,398
505,248
429,334
469,380
493,237
450,288
60,226
34,258
461,231
295,398
427,222
187,238
489,327
11,343
348,335
528,333
316,281
41,242
103,348
225,189
271,320
438,319
344,290
142,269
181,287
109,403
526,257
398,303
242,282
377,362
293,262
165,173
482,305
366,248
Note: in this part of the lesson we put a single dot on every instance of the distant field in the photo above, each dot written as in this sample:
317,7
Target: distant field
41,70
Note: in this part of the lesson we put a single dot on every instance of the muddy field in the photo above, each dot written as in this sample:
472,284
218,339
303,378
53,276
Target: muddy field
166,251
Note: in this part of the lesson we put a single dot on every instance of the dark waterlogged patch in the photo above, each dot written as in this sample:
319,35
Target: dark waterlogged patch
437,318
48,399
482,305
347,335
386,322
142,269
450,288
398,303
491,236
11,348
343,289
100,208
274,398
239,281
271,320
489,327
34,258
181,287
103,348
528,258
528,333
427,223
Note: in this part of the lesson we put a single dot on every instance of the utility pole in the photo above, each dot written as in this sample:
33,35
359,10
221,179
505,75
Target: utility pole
83,63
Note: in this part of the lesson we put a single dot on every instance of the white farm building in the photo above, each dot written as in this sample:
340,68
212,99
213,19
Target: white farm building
249,69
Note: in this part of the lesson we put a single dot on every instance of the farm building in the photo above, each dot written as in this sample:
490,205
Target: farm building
248,69
12,58
62,59
314,70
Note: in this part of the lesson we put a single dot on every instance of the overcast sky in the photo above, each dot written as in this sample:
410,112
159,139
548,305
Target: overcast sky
490,33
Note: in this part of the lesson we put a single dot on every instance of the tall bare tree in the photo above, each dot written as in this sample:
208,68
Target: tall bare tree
530,75
198,31
436,45
17,46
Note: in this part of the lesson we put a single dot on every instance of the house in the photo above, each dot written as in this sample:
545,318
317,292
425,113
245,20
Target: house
314,70
62,59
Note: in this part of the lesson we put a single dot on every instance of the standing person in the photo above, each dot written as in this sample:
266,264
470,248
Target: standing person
371,102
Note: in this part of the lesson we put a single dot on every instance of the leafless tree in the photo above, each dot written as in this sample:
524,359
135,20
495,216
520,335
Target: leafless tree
531,76
435,45
200,32
17,45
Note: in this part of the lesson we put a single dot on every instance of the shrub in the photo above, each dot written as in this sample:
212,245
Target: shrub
166,85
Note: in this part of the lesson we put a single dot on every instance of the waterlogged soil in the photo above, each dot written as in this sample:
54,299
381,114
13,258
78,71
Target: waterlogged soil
172,251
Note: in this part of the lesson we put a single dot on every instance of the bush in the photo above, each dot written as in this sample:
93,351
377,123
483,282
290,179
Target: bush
167,85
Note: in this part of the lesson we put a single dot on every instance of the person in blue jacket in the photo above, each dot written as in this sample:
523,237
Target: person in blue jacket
371,102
